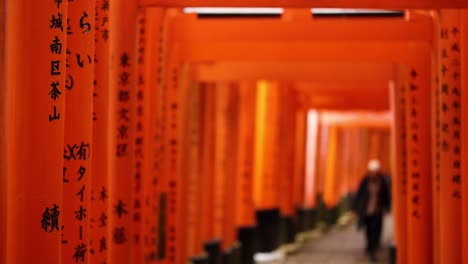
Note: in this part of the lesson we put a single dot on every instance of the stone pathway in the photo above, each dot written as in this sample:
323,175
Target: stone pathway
341,246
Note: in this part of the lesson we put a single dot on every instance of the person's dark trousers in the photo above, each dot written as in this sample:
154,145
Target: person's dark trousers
373,233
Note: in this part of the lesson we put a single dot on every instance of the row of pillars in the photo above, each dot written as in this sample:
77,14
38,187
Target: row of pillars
100,152
112,153
429,186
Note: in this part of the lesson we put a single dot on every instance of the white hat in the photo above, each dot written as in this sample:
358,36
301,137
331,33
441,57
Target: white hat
373,165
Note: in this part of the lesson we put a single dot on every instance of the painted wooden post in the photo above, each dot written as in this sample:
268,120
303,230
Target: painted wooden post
152,111
322,157
399,168
35,79
219,202
231,137
207,153
305,151
123,95
194,194
140,174
77,170
419,197
330,175
285,158
266,185
245,207
176,103
100,209
450,137
435,132
347,151
464,112
3,135
245,204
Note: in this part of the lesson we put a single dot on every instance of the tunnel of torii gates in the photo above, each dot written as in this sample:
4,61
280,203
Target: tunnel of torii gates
132,132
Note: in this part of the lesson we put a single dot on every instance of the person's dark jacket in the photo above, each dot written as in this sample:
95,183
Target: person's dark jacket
362,197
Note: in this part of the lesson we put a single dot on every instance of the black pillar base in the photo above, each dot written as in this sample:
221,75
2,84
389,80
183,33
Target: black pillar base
288,230
213,251
227,256
312,218
247,238
232,255
332,215
269,224
302,220
306,219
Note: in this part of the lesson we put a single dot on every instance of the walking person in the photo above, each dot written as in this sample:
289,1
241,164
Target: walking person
372,201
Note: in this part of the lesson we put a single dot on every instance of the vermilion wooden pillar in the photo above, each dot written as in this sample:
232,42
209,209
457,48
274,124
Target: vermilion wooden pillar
399,168
300,158
374,148
151,125
165,144
419,197
384,150
245,211
351,137
266,184
122,80
194,194
337,173
182,81
435,132
260,116
464,112
225,160
3,135
353,145
176,105
219,202
231,121
286,125
322,148
35,63
365,154
361,160
342,168
355,159
308,152
271,173
100,209
450,137
140,174
207,95
347,151
330,175
77,170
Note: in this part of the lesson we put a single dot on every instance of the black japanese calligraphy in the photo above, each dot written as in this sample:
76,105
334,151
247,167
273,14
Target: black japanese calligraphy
85,26
80,214
80,252
56,46
50,219
56,22
119,209
119,236
55,92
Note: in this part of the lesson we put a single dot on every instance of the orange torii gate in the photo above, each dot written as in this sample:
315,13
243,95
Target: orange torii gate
254,49
35,191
